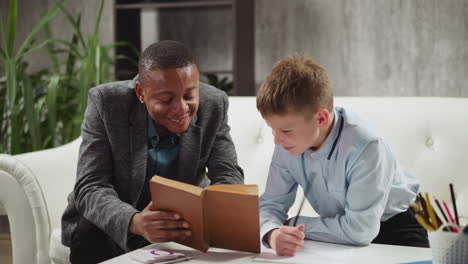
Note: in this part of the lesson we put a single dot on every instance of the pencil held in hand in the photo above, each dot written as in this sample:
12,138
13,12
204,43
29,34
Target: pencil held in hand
299,212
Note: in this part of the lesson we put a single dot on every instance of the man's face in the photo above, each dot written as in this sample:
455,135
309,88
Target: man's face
294,132
171,97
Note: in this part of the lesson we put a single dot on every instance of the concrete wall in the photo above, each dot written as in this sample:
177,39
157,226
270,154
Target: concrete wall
369,47
208,31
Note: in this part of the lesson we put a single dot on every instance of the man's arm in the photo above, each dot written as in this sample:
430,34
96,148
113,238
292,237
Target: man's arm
222,164
95,196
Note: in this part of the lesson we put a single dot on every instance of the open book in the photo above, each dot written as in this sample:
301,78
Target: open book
222,216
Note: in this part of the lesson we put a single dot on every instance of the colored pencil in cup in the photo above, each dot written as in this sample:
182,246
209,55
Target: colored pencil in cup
449,215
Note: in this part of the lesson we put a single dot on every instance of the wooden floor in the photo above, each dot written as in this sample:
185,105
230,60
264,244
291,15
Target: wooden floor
5,248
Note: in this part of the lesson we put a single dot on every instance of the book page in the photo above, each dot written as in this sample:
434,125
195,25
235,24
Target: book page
185,199
234,188
232,217
179,185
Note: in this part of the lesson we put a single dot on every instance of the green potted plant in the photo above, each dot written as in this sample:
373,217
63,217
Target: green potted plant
44,109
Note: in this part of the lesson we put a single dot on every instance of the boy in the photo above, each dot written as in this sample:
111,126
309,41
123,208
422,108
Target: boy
351,177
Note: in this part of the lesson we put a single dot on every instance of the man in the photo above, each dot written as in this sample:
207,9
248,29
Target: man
165,123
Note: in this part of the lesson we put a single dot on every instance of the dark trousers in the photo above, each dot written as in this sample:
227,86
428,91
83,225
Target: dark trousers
402,230
91,245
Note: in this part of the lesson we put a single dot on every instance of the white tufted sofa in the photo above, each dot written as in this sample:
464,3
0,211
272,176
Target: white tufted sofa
429,135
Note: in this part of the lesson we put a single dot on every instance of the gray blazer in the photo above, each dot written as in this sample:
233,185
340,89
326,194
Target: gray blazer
113,155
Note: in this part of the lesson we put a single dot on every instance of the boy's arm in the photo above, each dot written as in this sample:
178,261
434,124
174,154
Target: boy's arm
278,197
370,177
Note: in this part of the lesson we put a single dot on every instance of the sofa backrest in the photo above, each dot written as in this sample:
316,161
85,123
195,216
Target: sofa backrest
428,135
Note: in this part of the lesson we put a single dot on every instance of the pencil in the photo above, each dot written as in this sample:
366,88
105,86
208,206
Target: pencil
423,205
423,222
417,211
443,213
452,194
441,210
449,215
299,212
430,211
448,212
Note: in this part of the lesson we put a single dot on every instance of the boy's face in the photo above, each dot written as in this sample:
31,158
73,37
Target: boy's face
296,133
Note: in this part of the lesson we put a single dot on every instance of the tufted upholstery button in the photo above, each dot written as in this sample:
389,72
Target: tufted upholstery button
260,139
429,142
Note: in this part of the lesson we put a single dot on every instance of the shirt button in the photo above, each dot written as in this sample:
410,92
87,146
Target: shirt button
260,140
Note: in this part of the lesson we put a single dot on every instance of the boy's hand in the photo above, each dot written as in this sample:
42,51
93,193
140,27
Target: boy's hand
286,240
159,226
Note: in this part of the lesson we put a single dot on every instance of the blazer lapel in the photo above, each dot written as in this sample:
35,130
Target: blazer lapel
138,147
189,154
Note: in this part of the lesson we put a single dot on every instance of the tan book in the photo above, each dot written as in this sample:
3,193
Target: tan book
222,216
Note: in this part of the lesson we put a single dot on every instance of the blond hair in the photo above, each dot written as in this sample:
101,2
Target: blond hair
295,84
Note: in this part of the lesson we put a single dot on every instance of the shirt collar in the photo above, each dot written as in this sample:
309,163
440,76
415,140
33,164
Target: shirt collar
154,139
327,145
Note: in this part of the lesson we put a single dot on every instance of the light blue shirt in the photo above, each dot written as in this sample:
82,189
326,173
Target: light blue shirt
353,181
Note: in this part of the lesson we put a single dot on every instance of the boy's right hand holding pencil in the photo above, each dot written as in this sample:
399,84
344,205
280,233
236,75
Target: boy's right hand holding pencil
286,240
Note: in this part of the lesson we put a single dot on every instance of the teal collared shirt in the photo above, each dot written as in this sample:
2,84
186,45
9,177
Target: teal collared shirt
163,153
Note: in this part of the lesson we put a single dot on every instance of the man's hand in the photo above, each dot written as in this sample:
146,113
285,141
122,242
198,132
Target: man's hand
286,240
159,226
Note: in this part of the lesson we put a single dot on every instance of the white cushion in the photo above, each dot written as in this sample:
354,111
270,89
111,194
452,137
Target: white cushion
59,254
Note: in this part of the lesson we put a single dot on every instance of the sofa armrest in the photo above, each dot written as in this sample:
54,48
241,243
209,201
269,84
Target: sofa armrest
23,202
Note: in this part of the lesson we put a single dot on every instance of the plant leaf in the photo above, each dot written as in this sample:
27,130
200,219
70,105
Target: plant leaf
3,38
10,70
51,48
71,58
71,46
31,114
32,48
15,130
75,24
125,57
97,64
11,26
52,105
2,55
98,19
49,15
84,86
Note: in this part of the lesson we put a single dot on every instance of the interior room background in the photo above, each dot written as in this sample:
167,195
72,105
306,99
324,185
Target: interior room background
368,47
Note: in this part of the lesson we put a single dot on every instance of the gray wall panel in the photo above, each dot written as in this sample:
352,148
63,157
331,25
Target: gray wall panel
371,47
208,31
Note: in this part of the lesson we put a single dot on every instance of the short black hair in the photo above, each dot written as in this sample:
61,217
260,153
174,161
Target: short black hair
165,54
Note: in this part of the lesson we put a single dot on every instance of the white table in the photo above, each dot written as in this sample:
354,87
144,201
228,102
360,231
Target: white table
375,253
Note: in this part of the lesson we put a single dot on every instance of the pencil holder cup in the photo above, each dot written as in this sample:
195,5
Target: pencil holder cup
448,247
